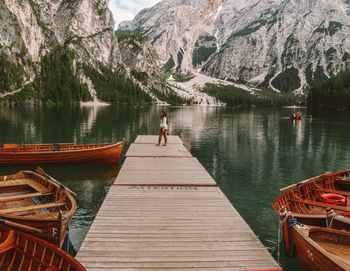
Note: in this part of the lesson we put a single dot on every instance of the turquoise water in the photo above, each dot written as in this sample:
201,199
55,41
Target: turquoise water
251,153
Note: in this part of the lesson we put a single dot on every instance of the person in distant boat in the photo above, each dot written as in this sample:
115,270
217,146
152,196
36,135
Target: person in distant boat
163,128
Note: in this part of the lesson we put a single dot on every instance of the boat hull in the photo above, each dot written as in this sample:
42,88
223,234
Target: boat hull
21,251
304,204
311,256
37,204
52,230
61,155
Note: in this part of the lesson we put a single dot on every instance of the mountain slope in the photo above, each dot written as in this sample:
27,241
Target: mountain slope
285,45
50,49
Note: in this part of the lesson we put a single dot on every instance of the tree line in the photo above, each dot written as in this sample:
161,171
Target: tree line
331,93
234,96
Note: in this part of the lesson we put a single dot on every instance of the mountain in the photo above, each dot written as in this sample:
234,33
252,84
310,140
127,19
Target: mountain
284,45
65,51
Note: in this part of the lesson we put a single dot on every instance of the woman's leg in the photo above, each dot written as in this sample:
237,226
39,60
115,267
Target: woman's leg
165,136
160,136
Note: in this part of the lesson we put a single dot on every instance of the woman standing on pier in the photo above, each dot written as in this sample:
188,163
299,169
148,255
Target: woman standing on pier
163,128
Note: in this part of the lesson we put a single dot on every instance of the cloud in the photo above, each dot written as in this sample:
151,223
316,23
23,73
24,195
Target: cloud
125,10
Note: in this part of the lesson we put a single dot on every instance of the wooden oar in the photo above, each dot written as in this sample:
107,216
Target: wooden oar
305,181
40,171
20,226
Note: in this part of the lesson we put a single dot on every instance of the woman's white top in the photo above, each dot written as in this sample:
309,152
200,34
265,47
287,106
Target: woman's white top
163,123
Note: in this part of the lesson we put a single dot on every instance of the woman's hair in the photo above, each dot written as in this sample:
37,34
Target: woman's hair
164,115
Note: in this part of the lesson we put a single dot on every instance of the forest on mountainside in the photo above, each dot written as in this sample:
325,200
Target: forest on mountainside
234,96
57,82
114,88
331,93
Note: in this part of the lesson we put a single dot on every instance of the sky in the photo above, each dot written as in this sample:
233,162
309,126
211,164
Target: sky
125,10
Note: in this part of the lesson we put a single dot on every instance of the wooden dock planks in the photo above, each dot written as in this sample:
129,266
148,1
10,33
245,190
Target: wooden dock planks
174,171
165,212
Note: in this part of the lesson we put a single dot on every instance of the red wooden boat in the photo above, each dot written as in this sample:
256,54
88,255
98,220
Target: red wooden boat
58,154
322,249
36,203
21,251
308,202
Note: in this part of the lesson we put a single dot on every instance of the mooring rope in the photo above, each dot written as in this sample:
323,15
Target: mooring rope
67,232
294,222
286,214
330,214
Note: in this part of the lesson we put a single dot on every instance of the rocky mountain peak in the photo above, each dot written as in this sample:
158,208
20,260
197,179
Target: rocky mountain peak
285,45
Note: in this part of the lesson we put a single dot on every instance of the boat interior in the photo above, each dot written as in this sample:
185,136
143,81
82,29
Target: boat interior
308,199
23,196
335,242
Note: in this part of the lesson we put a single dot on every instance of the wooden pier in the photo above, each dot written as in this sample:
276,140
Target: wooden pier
165,212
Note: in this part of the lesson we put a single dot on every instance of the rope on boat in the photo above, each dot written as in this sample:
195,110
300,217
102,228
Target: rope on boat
286,215
279,241
294,222
67,232
330,214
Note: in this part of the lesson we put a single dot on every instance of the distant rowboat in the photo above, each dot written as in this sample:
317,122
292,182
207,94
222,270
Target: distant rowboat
36,203
58,154
21,251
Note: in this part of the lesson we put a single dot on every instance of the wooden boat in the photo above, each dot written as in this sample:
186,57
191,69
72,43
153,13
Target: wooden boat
21,251
304,202
322,249
58,154
36,203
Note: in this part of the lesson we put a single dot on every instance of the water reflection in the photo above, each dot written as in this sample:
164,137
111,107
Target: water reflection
251,153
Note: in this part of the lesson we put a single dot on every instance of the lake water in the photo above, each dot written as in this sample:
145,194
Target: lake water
251,153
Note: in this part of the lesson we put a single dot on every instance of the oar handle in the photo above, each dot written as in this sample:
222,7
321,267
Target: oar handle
305,181
20,226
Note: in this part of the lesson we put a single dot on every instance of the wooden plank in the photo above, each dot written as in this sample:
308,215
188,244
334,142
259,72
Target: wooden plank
153,139
133,235
333,191
20,182
23,196
35,185
174,171
158,215
150,150
32,207
250,264
322,204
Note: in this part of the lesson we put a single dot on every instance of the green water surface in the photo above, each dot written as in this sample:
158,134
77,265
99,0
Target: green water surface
251,153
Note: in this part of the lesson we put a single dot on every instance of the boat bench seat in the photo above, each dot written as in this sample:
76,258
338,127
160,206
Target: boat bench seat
20,182
23,196
321,204
33,207
327,190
